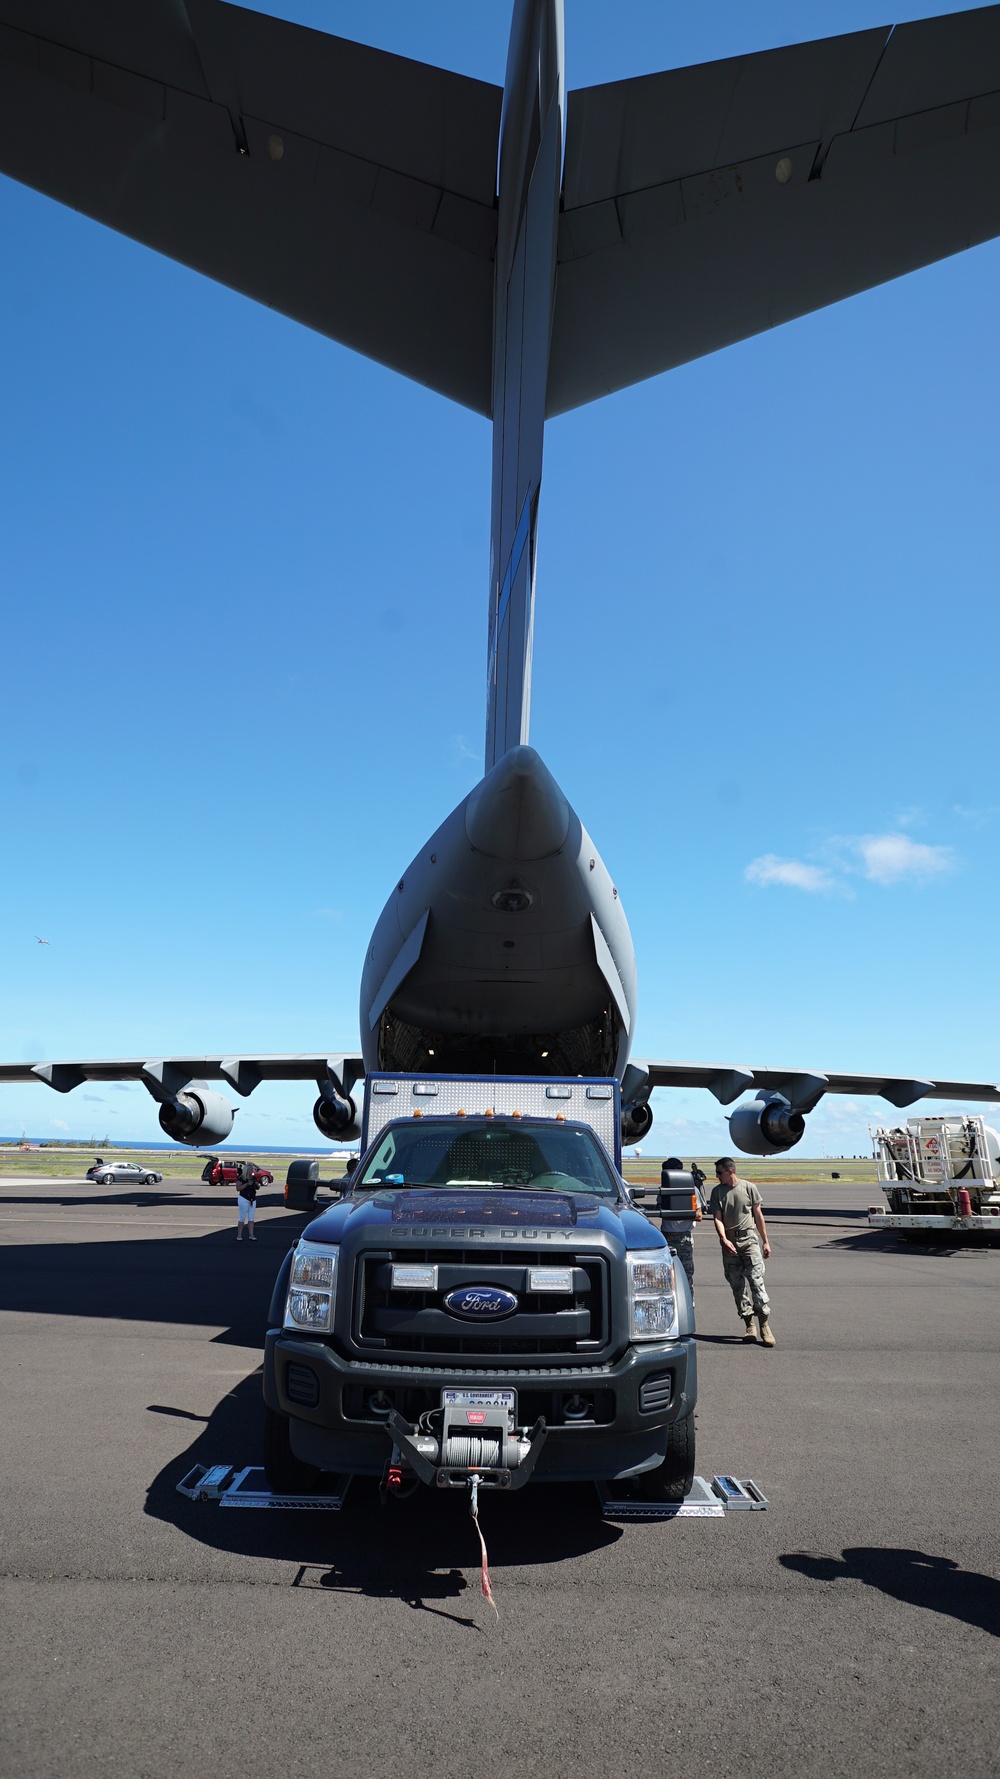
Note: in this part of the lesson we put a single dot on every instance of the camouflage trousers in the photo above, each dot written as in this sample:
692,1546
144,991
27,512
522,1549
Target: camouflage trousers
683,1246
745,1272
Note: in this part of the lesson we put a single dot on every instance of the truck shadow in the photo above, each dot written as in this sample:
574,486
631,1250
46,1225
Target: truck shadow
935,1583
927,1245
396,1551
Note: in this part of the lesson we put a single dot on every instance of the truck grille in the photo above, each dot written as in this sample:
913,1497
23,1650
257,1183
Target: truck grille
548,1322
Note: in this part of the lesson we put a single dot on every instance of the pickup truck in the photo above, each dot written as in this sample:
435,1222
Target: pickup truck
484,1300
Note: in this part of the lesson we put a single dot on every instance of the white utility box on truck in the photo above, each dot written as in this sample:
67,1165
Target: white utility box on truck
938,1174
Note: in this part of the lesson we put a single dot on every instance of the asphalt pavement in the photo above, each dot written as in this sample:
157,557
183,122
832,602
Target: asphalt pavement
853,1628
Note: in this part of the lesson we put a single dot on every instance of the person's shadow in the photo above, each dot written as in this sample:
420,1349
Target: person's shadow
936,1583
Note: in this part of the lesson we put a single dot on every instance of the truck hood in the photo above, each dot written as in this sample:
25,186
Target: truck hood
382,1213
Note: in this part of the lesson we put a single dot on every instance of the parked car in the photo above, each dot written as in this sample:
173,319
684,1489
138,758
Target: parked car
109,1173
227,1171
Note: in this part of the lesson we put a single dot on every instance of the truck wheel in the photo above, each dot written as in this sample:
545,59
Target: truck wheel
286,1474
675,1476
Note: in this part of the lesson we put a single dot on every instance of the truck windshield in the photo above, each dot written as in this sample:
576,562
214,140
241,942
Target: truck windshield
547,1157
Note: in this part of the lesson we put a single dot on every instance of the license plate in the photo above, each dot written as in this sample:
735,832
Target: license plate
480,1399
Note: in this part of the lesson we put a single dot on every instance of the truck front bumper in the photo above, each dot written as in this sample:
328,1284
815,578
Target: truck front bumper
631,1402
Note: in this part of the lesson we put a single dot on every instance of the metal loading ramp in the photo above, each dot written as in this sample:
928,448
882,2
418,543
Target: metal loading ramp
233,1486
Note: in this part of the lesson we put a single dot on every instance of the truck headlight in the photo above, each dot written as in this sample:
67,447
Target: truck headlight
312,1288
652,1296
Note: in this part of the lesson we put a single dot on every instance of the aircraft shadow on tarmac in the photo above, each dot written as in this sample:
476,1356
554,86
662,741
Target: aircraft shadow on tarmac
814,1213
935,1583
143,1201
412,1549
209,1280
195,1280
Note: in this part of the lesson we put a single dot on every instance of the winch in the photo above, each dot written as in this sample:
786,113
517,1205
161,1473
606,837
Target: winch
477,1437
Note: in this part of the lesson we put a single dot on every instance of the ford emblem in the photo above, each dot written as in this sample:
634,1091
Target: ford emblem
480,1303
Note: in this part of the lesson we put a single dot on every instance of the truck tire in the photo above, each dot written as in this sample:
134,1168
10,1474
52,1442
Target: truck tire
286,1474
675,1476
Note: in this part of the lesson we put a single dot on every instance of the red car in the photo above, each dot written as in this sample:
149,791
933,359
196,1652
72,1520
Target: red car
225,1172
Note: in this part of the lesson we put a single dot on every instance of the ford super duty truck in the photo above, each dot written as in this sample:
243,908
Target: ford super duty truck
484,1300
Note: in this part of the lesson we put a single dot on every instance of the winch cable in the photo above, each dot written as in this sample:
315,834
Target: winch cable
469,1450
474,1511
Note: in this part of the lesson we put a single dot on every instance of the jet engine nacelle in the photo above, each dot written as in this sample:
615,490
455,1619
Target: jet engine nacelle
637,1122
196,1116
766,1125
336,1117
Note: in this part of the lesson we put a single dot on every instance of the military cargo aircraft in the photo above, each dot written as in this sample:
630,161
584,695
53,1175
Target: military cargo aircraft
521,250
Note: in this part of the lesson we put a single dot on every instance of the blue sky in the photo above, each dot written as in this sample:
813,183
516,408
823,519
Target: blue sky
244,627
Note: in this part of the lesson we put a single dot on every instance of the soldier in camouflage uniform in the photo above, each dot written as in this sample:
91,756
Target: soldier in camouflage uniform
736,1211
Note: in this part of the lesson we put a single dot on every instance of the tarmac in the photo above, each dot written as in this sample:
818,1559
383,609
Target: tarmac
853,1628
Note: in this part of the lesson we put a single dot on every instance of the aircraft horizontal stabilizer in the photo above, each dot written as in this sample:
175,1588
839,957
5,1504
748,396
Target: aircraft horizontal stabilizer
703,205
350,189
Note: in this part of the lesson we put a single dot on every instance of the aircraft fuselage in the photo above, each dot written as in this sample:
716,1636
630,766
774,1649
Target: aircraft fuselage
504,947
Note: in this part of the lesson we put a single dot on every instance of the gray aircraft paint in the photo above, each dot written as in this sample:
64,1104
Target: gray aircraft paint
453,977
691,209
517,953
528,215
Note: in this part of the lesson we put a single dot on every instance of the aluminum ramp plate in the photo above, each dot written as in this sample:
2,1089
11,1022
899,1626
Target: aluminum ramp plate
706,1501
247,1487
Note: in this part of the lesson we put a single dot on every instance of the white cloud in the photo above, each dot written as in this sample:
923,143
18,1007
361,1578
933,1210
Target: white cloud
889,858
884,859
792,873
58,1124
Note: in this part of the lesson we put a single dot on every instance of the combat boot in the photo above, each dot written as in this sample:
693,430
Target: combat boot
749,1331
767,1338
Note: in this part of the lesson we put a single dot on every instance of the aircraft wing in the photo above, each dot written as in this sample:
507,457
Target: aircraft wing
804,1088
706,204
164,1076
350,189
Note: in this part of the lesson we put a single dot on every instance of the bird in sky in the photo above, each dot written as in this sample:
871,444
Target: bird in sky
41,941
